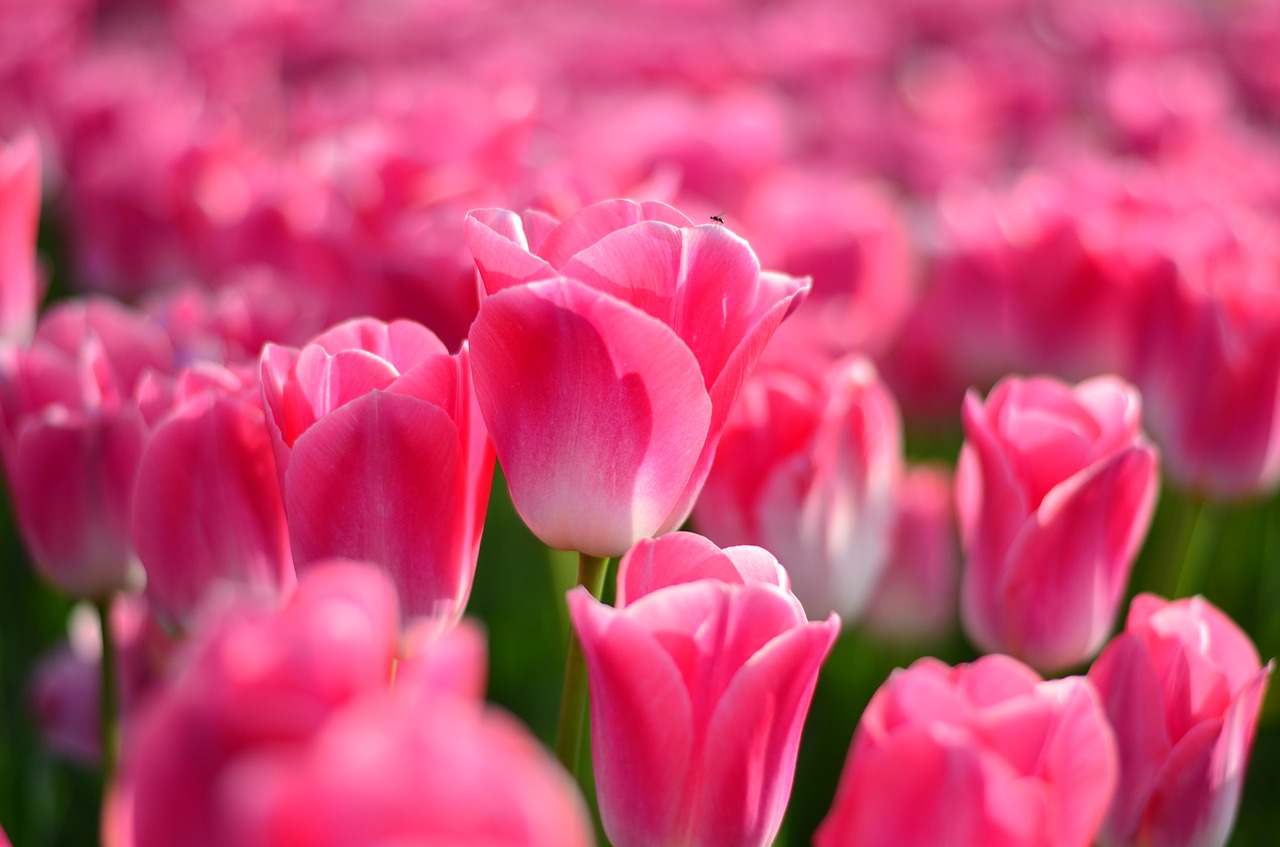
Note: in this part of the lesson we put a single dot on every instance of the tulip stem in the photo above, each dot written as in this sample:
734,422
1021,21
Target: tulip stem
109,715
573,703
1200,533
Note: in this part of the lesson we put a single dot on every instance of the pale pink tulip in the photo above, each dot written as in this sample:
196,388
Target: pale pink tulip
608,353
1055,489
382,456
699,691
979,755
1183,688
917,596
19,213
207,510
808,468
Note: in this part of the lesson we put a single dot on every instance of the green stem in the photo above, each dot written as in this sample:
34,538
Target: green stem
573,703
1200,534
110,733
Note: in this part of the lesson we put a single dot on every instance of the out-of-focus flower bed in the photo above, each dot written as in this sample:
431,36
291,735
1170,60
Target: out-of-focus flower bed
980,191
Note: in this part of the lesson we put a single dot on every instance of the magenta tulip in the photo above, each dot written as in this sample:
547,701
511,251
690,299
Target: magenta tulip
1055,490
382,456
980,755
207,511
1183,688
608,353
808,468
699,691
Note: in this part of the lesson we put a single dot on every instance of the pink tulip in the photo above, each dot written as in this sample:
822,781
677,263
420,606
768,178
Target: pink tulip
979,755
1055,489
207,511
284,730
1209,368
72,438
808,468
1183,688
698,693
382,456
608,353
917,595
19,213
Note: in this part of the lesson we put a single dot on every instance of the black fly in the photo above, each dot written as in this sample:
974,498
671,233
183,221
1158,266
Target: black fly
718,218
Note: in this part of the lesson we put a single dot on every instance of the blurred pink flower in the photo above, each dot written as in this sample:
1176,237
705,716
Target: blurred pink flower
1183,688
207,510
382,456
1055,490
917,596
808,468
72,438
283,729
977,755
608,352
699,689
20,284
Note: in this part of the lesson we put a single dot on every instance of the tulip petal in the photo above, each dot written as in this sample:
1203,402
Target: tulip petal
497,241
597,412
72,485
207,507
641,723
753,738
1066,571
357,488
680,557
592,223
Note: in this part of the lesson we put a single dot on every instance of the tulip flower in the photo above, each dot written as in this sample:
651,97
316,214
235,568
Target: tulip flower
72,438
1055,490
1183,688
917,595
698,694
808,468
283,729
207,511
973,756
382,456
608,352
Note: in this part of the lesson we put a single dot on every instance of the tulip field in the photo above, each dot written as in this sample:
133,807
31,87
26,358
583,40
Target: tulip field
680,423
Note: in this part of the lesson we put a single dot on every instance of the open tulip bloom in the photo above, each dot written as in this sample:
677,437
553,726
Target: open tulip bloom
608,352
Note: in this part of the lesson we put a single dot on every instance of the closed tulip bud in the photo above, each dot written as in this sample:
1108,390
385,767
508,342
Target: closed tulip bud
808,469
382,456
1183,687
1055,490
699,689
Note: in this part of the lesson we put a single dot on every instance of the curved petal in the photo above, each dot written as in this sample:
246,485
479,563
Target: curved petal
1078,761
207,508
1133,695
777,299
275,367
749,754
597,412
497,241
383,479
402,343
641,723
1066,573
592,223
680,557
